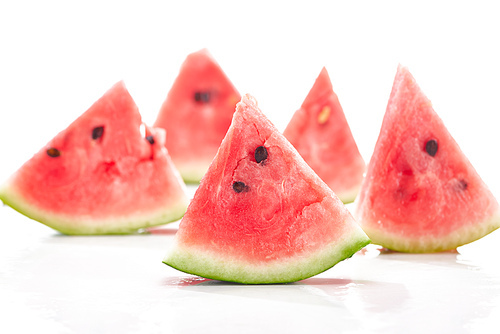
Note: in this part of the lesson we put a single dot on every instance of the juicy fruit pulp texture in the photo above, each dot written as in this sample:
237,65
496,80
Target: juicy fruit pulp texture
196,114
421,194
100,175
321,134
261,215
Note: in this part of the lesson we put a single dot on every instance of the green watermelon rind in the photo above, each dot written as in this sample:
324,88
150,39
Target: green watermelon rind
430,244
192,177
194,260
70,225
348,196
192,173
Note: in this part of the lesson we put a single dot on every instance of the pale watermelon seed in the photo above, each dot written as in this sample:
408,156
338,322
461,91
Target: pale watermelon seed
53,152
324,115
260,154
431,147
239,187
97,132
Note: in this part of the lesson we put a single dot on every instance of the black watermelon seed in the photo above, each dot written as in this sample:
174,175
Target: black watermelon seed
462,185
53,152
431,147
150,139
97,132
202,97
260,154
239,187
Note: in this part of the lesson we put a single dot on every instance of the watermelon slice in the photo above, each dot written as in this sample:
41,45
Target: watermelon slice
100,175
260,214
196,114
321,134
421,194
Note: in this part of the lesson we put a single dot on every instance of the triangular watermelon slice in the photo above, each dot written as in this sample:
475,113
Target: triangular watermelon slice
321,134
100,175
421,194
260,214
196,114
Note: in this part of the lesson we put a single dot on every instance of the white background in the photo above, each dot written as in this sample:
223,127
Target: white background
58,57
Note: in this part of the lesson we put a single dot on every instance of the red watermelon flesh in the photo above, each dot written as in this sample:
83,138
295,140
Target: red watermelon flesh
421,194
100,175
260,214
196,114
321,134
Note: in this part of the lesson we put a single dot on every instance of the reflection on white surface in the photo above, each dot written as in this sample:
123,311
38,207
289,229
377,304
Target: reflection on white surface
102,284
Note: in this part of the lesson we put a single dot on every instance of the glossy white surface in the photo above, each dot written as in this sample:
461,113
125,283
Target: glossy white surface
58,57
51,283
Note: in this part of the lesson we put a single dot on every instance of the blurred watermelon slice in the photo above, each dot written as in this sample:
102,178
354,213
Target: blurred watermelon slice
321,134
196,114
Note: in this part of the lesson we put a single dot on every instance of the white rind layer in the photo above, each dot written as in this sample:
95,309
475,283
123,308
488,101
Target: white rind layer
87,225
195,260
428,243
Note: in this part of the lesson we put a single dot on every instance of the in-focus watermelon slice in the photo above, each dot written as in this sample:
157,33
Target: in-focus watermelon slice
321,134
196,114
421,194
260,214
100,175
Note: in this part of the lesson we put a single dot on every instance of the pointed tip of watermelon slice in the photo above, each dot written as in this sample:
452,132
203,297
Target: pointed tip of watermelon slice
201,58
118,87
204,51
323,79
247,100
